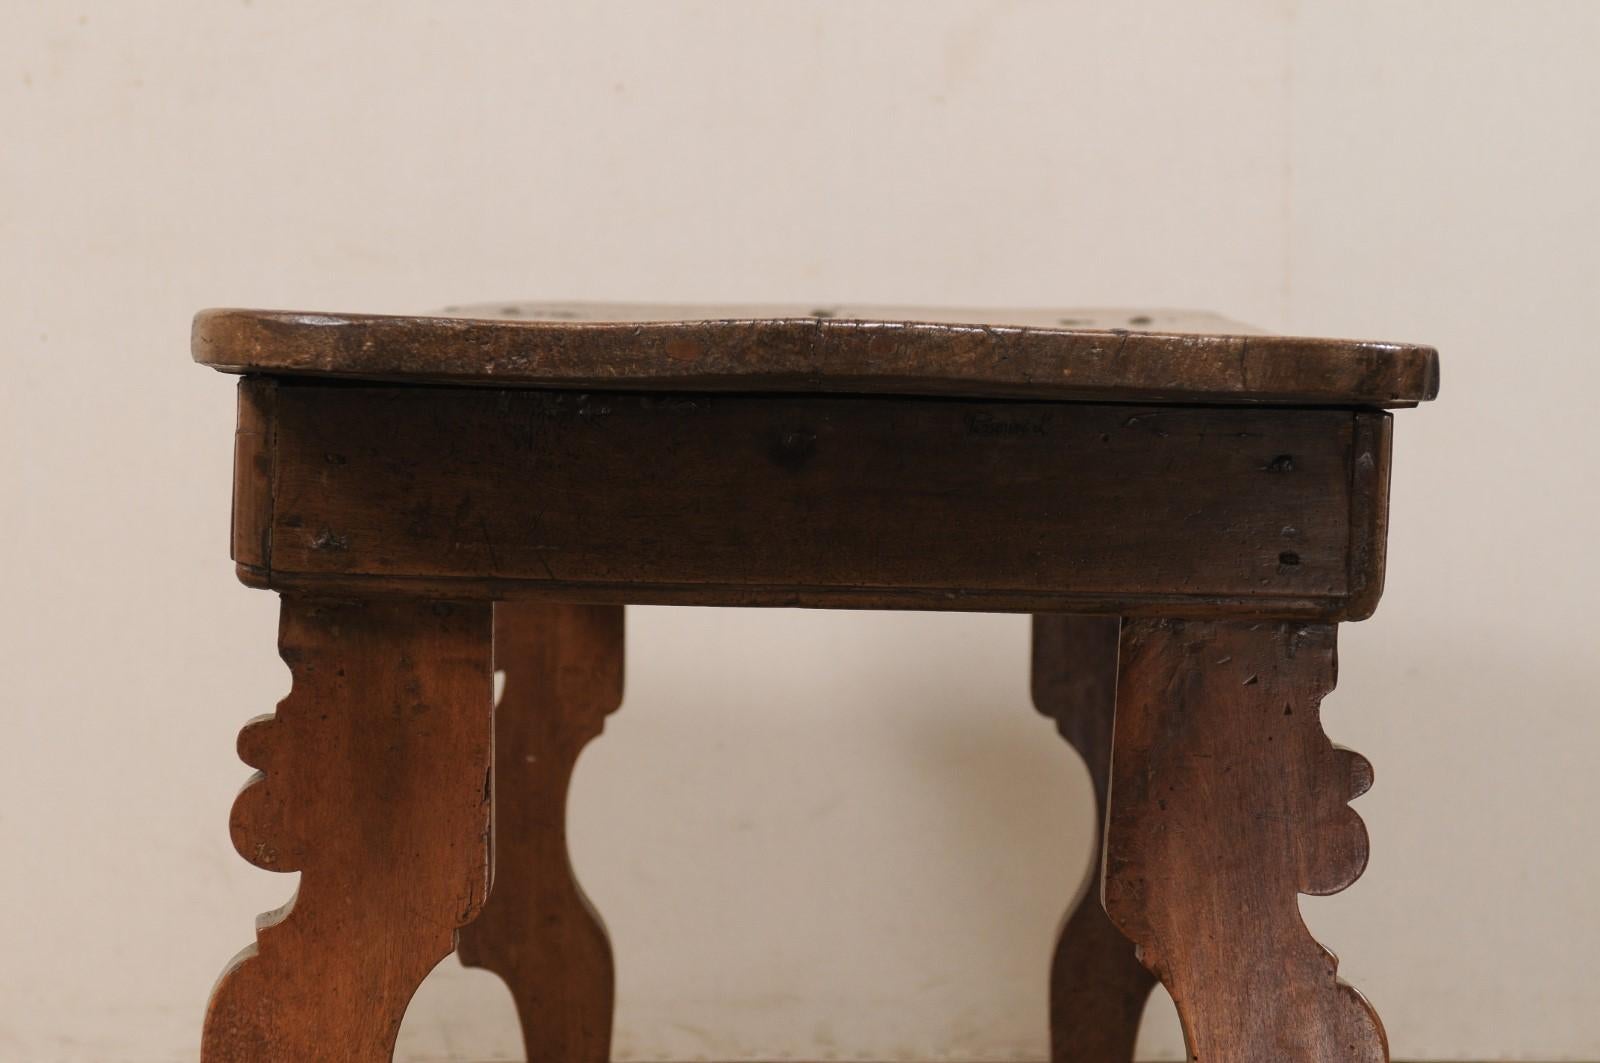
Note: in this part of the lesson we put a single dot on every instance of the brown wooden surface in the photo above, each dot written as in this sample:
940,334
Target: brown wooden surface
783,500
1227,801
563,675
616,454
1130,355
1369,513
1098,987
253,448
373,783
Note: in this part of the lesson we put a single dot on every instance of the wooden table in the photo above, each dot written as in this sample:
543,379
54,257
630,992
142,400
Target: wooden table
1187,508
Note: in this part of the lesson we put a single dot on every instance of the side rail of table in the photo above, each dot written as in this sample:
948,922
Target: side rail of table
477,493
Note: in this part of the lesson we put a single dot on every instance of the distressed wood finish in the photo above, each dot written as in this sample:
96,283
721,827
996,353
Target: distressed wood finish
1098,987
253,447
1227,802
373,782
1132,355
784,500
1218,496
563,676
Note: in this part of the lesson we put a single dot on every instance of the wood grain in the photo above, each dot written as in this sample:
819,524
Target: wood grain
563,675
1369,513
1098,987
1227,802
1072,354
1224,493
251,528
373,783
781,500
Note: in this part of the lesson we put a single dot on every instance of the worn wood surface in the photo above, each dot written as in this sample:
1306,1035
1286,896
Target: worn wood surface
1226,492
373,783
1131,355
563,675
252,475
782,500
1227,802
1098,987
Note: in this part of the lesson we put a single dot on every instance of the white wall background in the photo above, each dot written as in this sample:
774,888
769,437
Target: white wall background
814,835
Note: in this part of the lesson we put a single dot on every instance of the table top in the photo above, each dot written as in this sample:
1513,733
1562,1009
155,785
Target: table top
1107,355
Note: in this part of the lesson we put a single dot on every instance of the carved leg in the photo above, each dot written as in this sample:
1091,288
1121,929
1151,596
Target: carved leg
373,782
1098,988
1227,801
563,666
